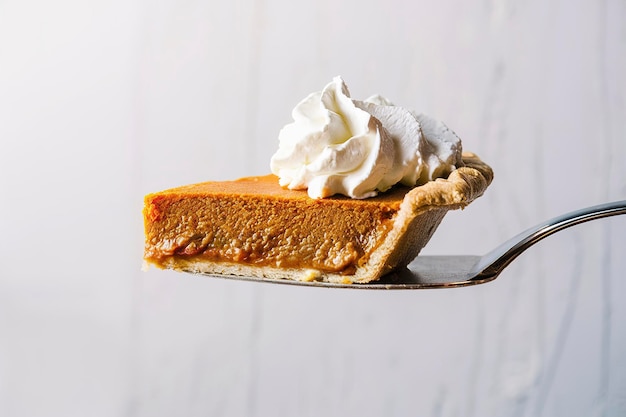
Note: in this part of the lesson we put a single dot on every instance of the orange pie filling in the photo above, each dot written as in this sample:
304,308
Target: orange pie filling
275,227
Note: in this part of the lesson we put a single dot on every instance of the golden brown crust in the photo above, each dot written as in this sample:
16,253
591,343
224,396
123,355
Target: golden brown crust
410,217
421,212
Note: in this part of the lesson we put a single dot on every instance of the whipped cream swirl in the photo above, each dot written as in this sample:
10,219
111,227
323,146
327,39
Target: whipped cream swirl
337,145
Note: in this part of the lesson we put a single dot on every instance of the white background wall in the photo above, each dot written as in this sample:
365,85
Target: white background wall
102,102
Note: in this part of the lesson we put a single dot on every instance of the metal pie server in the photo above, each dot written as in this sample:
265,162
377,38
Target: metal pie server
450,271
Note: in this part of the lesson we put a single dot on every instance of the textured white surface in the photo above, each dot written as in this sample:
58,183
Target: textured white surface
102,102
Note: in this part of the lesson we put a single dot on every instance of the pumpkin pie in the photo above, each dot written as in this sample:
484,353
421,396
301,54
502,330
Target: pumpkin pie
254,227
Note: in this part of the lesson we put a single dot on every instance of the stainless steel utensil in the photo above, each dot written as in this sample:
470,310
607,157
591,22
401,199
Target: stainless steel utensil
463,270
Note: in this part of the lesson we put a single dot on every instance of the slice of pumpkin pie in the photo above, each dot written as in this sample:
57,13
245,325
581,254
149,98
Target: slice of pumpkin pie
356,191
254,227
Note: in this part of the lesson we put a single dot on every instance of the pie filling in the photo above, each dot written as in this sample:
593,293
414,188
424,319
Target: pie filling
273,232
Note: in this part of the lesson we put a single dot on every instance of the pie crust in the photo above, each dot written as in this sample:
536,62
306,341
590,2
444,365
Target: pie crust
253,227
